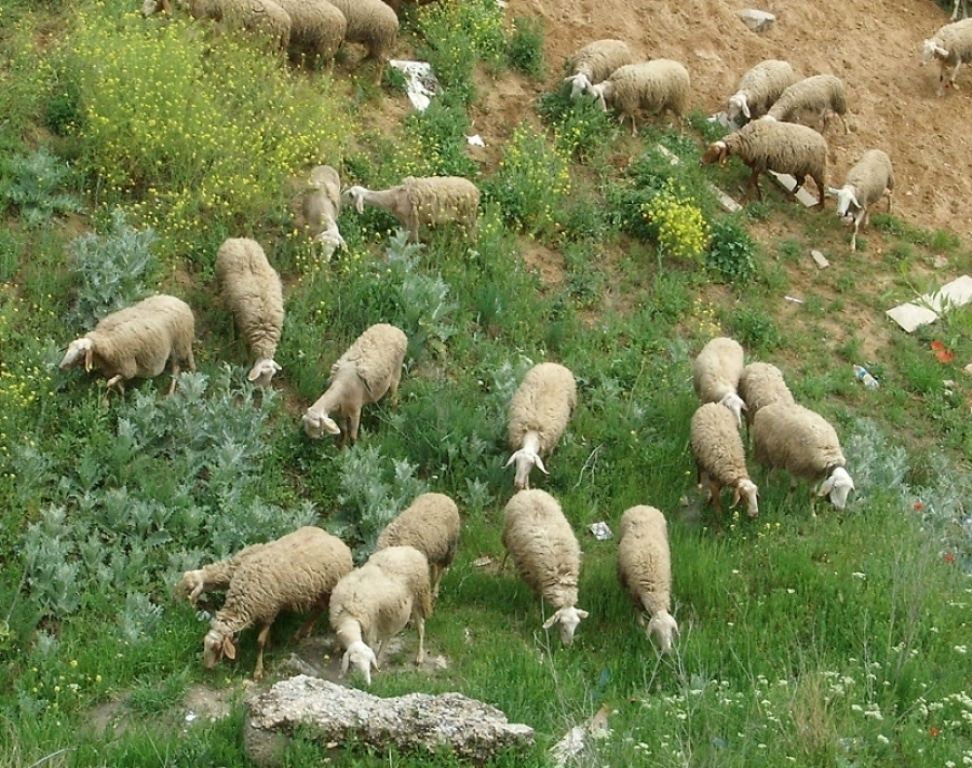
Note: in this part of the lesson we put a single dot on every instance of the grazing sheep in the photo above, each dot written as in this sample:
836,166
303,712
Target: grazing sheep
594,63
295,572
431,525
251,290
761,384
951,46
546,554
769,145
871,178
137,341
264,17
217,575
424,202
321,205
317,29
715,374
805,444
645,570
758,89
369,368
821,94
373,24
374,603
539,412
720,458
654,86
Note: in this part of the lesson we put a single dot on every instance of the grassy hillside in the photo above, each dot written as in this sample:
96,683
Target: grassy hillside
132,148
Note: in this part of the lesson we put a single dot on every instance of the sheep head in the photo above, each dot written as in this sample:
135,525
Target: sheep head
316,424
931,49
78,350
664,627
845,199
579,84
837,486
192,585
330,240
568,618
736,404
363,659
746,489
262,372
525,459
717,152
216,645
357,194
738,105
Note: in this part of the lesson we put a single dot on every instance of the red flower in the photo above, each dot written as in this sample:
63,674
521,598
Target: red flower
949,557
943,353
933,731
918,506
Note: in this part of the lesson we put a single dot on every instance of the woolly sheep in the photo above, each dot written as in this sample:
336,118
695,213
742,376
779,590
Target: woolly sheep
768,145
594,63
720,459
431,525
251,290
424,202
645,570
320,206
317,29
871,178
374,603
761,384
758,89
805,444
546,554
295,572
539,412
137,341
217,575
264,17
715,374
371,367
373,24
654,86
951,45
821,94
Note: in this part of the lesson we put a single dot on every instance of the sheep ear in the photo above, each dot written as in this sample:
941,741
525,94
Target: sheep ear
552,620
745,110
345,660
538,462
229,649
833,191
735,496
853,199
510,460
826,486
582,613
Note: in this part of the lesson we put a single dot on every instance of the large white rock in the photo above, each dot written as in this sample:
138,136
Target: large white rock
758,21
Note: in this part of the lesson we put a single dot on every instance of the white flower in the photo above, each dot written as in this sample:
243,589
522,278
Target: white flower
883,739
961,649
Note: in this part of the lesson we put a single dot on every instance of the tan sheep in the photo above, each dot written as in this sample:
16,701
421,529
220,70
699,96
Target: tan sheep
871,178
594,63
761,384
645,571
655,86
950,46
263,17
716,371
373,24
370,368
758,89
317,29
821,95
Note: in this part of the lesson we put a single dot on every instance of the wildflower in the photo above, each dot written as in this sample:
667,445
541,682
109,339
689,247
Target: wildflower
948,557
933,731
918,506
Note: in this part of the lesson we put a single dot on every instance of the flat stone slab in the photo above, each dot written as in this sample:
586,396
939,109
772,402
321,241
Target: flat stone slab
928,307
788,183
416,722
727,203
758,21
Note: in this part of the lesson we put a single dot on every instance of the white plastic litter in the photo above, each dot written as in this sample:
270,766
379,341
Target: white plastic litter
420,83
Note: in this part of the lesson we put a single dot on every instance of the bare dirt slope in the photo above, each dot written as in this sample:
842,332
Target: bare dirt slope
875,47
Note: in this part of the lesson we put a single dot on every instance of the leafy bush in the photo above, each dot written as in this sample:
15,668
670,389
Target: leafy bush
31,184
440,132
731,253
582,128
524,50
679,228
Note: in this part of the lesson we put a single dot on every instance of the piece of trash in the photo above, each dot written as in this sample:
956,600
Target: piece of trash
191,716
793,299
482,562
573,741
475,140
819,259
601,531
420,83
863,376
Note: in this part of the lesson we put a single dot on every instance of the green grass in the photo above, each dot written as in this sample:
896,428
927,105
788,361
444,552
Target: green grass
808,636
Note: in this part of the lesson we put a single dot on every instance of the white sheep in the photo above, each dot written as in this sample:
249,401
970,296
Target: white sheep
539,412
137,341
546,554
594,63
758,89
805,444
761,384
373,603
370,368
871,178
251,290
317,29
951,46
430,524
295,572
424,202
264,17
655,86
769,145
645,570
823,95
715,374
321,206
373,24
720,458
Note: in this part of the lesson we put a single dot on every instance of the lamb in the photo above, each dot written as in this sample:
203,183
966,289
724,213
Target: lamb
295,572
720,458
546,554
645,570
431,525
137,341
758,89
715,374
539,412
871,178
805,444
820,94
768,145
951,45
317,29
761,384
594,63
424,202
264,17
251,290
370,368
321,205
373,24
655,86
374,603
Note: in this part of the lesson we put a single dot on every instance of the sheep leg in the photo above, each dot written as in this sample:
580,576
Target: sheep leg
354,419
261,643
315,612
716,504
420,656
437,572
752,184
951,80
890,194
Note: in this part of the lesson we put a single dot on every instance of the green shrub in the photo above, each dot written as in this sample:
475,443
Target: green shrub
524,50
732,251
440,132
32,185
582,129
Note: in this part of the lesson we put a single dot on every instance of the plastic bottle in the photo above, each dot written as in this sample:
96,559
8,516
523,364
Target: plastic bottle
865,378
